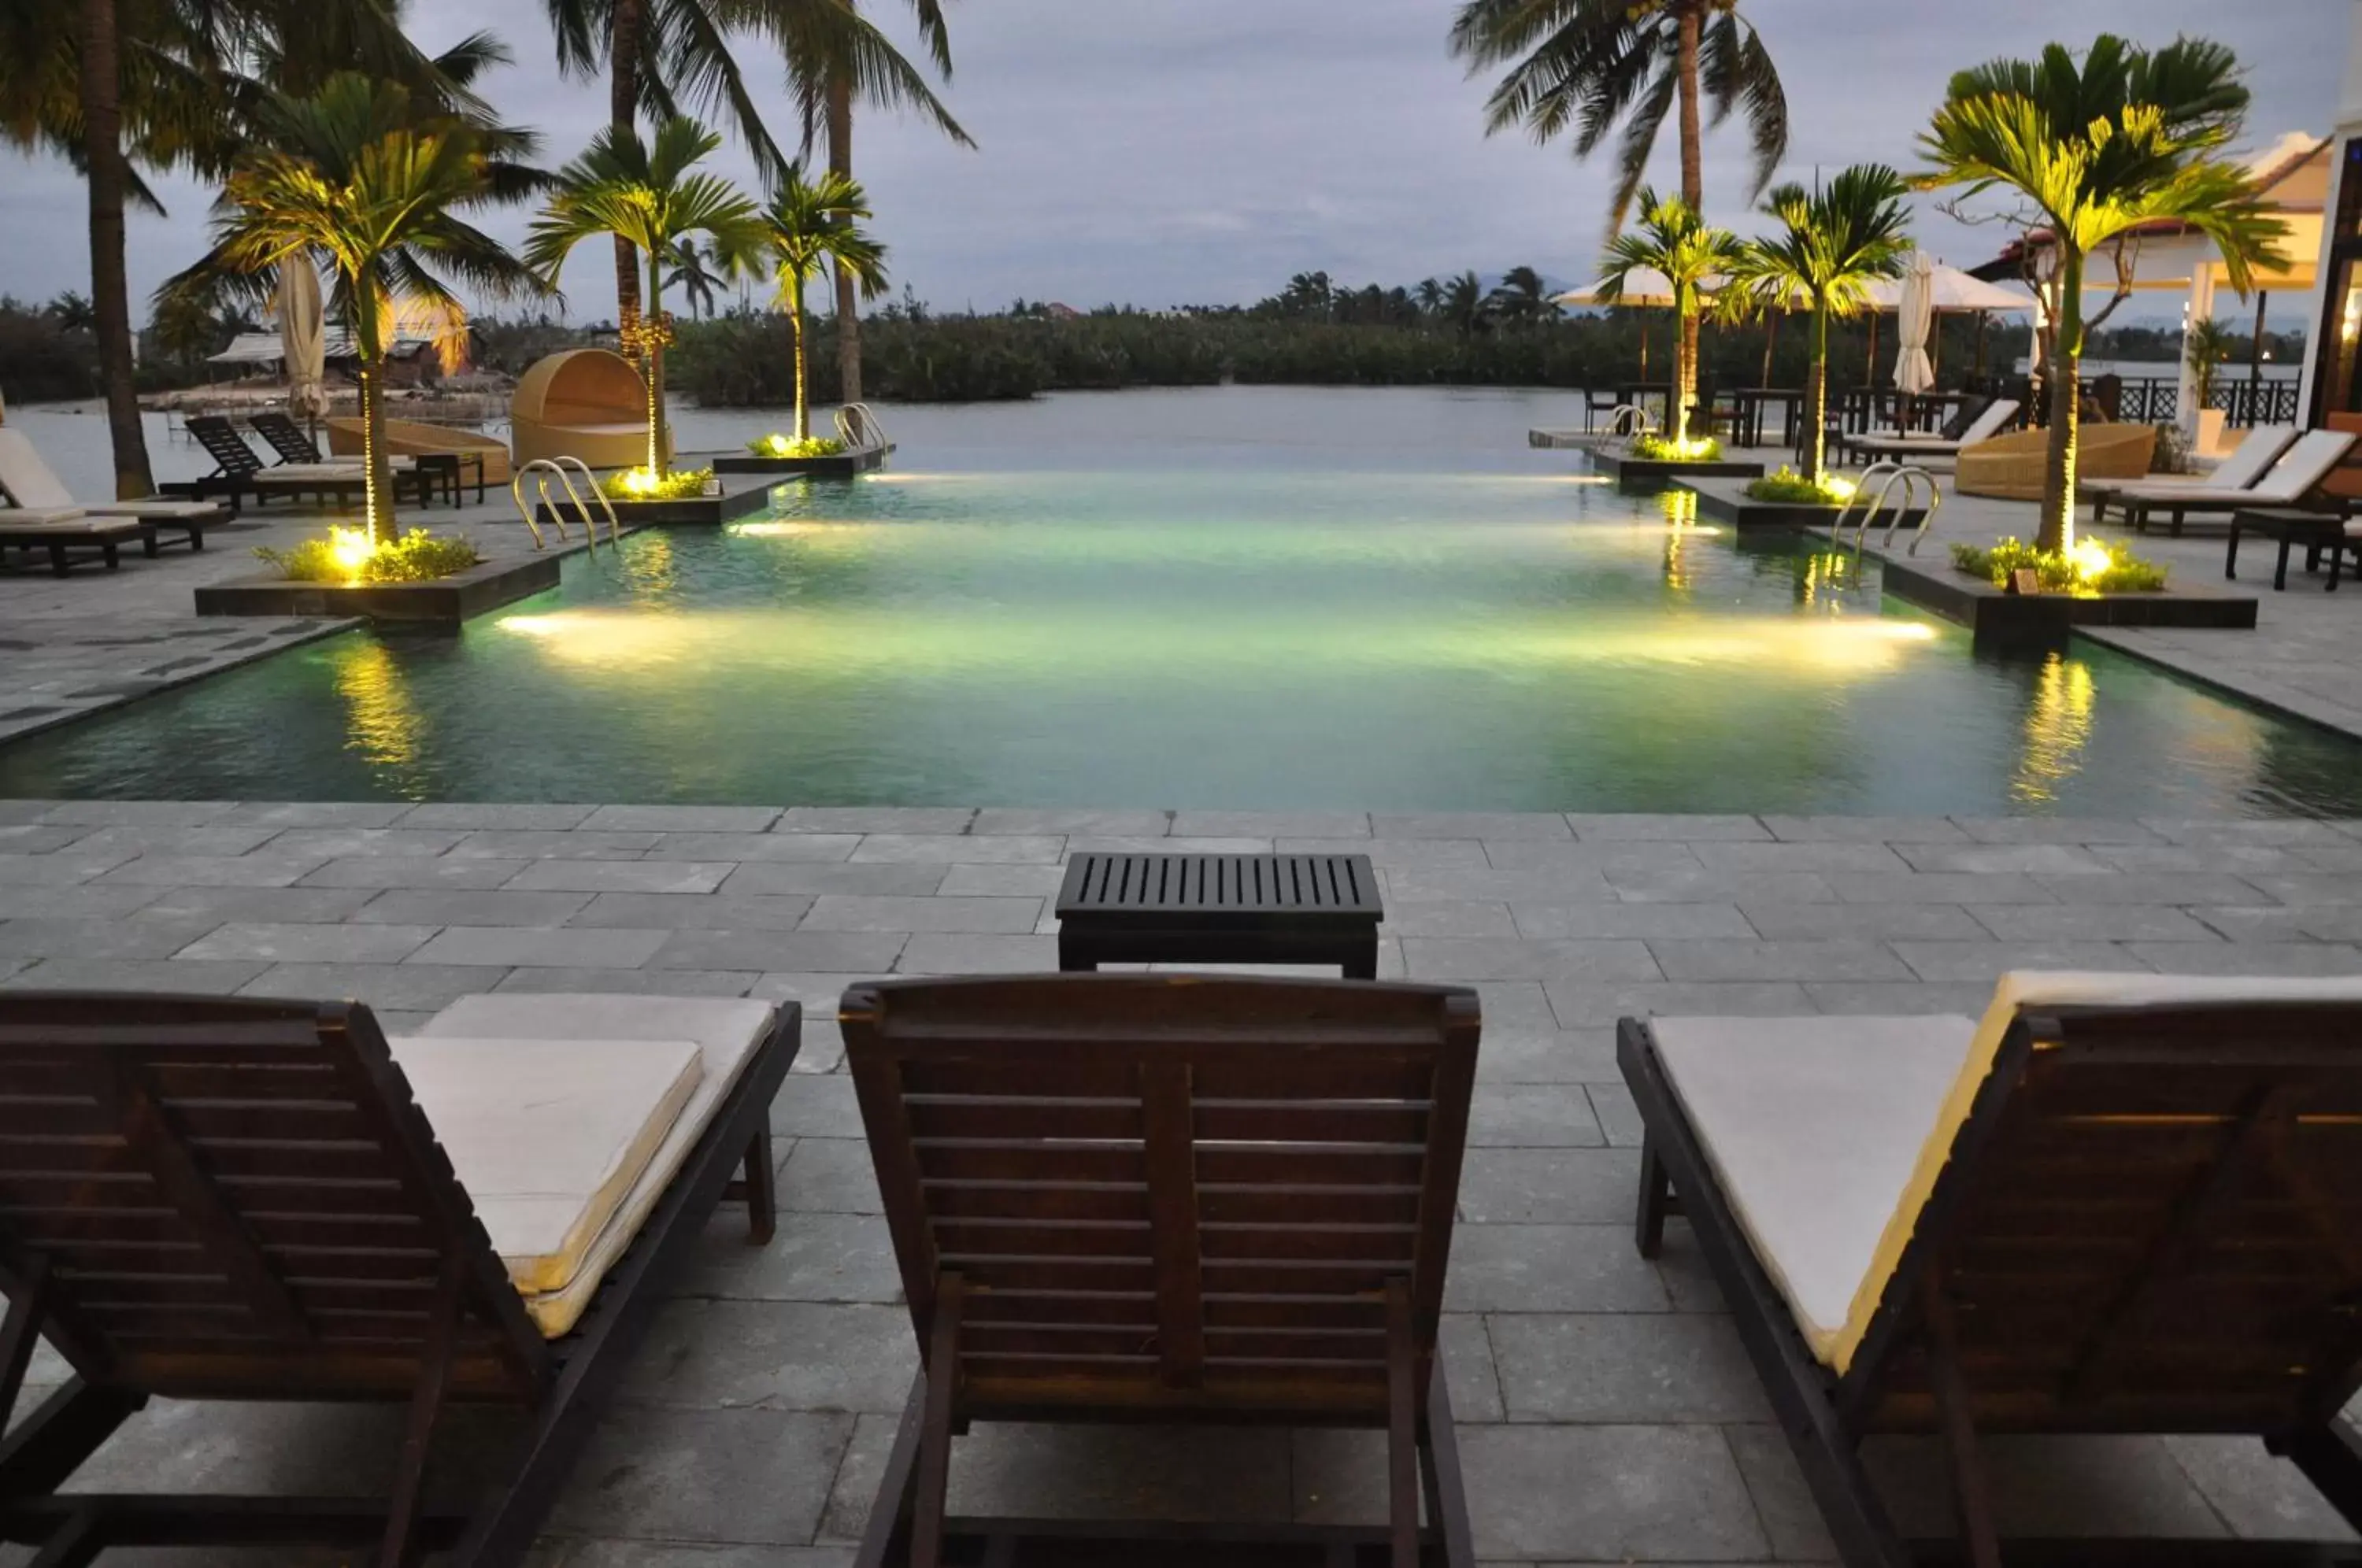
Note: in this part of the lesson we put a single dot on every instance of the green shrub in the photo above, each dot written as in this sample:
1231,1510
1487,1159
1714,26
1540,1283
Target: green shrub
1785,487
637,485
1662,449
776,445
2057,573
416,557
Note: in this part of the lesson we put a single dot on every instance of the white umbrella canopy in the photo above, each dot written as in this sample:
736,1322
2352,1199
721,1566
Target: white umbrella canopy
1949,290
303,336
1642,286
1915,312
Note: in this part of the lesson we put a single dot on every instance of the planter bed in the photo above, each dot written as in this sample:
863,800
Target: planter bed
740,496
2044,620
1725,501
1648,473
842,465
445,602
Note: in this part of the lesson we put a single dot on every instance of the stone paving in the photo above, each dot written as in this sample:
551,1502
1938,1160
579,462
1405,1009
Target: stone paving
1607,1413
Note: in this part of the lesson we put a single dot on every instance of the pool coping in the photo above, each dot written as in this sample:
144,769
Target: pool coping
1640,474
287,633
838,465
442,602
1725,501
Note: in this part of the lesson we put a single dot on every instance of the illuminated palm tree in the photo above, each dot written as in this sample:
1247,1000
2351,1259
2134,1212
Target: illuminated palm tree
2094,150
353,179
1829,247
646,195
808,224
1672,240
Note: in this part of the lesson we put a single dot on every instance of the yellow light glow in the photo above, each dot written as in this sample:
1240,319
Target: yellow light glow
2091,557
2058,728
639,481
382,722
1839,488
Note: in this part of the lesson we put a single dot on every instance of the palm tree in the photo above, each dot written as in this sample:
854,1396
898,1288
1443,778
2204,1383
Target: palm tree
1592,64
1830,245
1674,241
2095,149
1521,296
353,179
687,265
1464,303
1429,295
813,222
645,195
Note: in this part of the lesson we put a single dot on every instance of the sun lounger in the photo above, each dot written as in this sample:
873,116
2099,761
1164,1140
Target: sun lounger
2120,1203
287,438
1170,1198
34,488
2295,479
239,472
1927,449
2249,462
66,534
212,1198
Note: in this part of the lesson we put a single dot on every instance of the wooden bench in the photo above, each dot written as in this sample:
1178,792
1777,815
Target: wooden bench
1220,908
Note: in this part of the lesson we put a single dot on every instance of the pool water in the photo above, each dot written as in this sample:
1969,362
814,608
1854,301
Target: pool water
1186,608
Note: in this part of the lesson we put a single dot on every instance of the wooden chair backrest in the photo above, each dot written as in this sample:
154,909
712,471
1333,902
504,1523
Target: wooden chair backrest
1168,1194
287,438
233,1197
2151,1221
224,445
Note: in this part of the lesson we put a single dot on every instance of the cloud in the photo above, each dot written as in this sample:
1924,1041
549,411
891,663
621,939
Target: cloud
1166,152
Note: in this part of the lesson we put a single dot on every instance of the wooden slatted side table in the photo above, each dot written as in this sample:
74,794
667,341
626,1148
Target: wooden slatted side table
1220,908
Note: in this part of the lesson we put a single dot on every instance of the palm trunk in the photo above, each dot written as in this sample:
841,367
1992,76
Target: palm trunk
2066,390
848,303
377,468
1694,193
623,112
1816,401
804,405
656,337
1770,341
101,113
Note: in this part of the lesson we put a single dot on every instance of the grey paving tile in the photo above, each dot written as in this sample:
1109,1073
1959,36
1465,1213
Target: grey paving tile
2092,923
931,953
1783,1501
134,975
2261,1498
2249,957
93,937
1689,1278
1686,829
1391,854
622,875
279,814
81,900
831,952
20,813
1881,998
392,988
2312,888
2057,1487
1865,829
1939,888
1531,1116
1654,1492
1619,1118
340,843
1535,885
395,871
1581,1006
1704,887
1454,958
823,847
1270,824
876,818
1514,1006
693,911
540,843
1591,855
311,944
508,947
2054,830
1810,923
557,1551
1620,1366
288,906
546,978
1988,961
855,911
260,869
858,1478
465,907
2284,922
684,819
1557,1056
1149,1473
971,881
1621,920
1467,1351
1153,843
1551,1268
1440,918
1835,960
211,840
816,1108
471,815
781,1355
1825,856
64,869
755,1476
1549,1186
32,838
2276,831
793,877
930,849
2236,859
833,1176
106,814
1985,859
2150,888
1469,824
1059,821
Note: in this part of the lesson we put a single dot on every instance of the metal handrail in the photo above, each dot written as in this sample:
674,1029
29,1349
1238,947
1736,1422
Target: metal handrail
1888,473
614,528
542,469
858,427
1631,421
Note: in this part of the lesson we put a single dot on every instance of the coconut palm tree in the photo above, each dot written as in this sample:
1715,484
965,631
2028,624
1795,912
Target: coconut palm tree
1521,297
1670,238
1429,295
352,179
691,267
1593,65
1464,303
2092,149
1829,246
646,195
811,222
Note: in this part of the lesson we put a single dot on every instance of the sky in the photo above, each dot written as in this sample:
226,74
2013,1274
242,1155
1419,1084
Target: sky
1162,152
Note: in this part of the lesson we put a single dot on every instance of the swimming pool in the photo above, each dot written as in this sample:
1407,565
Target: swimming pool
1209,616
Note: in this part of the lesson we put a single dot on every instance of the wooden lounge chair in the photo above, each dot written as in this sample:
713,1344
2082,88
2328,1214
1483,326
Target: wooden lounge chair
2122,1203
283,435
2295,479
33,485
1167,1199
239,472
210,1198
1936,449
2250,461
65,536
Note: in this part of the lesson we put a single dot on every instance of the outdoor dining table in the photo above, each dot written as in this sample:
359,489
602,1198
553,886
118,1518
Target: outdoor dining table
1750,405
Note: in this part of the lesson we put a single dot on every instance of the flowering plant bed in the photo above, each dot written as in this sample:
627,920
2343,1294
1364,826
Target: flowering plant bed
348,556
1785,487
819,456
1665,449
639,484
2092,567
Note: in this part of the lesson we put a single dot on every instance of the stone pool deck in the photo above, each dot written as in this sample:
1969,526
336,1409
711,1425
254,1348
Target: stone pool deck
1607,1413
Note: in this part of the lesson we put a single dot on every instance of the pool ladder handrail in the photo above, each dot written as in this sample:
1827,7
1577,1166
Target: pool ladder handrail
1888,473
858,427
541,469
1630,421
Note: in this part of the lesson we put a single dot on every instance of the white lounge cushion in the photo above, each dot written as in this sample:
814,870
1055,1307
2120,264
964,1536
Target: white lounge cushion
20,519
1804,1121
548,1135
158,510
725,1032
28,480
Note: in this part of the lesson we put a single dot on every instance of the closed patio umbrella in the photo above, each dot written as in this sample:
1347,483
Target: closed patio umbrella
303,336
1914,373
